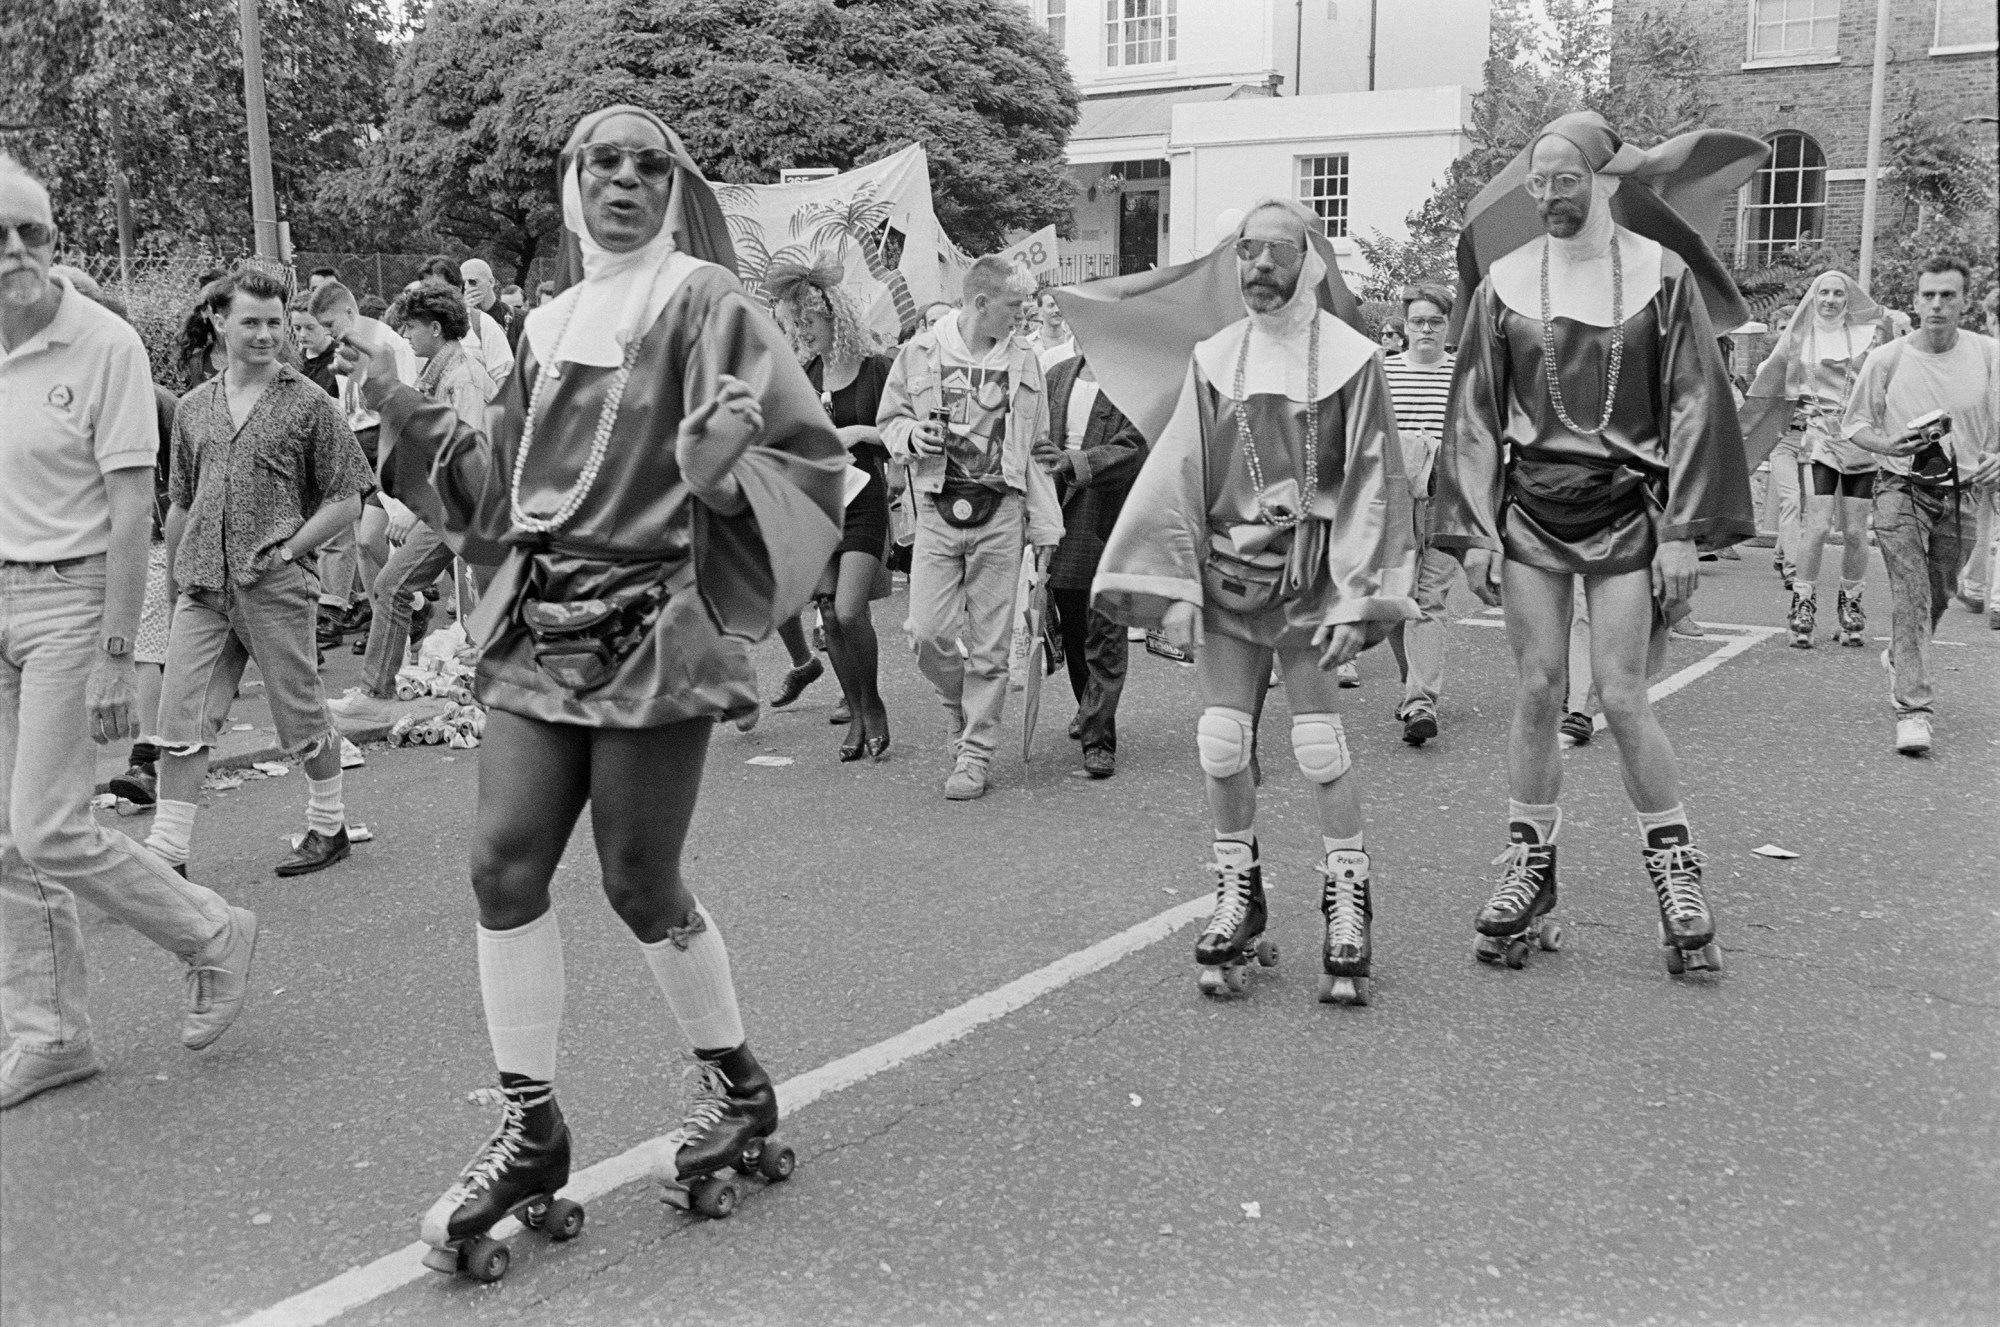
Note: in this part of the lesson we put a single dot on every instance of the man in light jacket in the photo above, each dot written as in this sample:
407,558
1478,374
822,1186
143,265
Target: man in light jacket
965,408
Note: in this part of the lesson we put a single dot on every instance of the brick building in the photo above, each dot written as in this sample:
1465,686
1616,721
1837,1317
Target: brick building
1797,73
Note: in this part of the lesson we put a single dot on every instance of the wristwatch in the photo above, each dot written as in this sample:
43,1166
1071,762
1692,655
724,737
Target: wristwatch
117,646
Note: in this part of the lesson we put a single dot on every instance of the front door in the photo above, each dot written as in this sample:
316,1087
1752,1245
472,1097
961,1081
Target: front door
1138,230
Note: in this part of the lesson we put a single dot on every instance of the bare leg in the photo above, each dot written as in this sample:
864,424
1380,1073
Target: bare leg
1538,624
794,637
1854,539
1621,614
1818,523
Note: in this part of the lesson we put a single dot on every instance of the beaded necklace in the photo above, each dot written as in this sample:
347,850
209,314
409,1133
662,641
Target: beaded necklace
1617,345
1282,520
600,442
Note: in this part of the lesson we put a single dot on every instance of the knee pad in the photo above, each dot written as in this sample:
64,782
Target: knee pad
1320,743
1224,736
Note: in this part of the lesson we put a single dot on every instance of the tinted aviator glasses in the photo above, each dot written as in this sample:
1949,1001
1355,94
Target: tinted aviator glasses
1283,252
33,234
605,160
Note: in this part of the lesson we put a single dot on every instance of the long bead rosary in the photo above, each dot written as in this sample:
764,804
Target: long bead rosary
1617,345
1271,516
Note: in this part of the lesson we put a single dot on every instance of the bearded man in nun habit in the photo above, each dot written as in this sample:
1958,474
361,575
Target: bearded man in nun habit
1593,434
1272,514
660,490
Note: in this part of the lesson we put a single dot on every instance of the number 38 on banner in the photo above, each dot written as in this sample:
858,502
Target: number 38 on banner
1033,254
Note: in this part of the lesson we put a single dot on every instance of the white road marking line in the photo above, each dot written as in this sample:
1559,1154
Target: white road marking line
360,1285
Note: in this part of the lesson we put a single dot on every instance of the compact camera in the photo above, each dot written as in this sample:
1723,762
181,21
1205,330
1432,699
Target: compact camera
1932,460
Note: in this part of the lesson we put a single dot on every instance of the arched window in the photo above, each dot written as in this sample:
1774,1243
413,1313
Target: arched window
1787,206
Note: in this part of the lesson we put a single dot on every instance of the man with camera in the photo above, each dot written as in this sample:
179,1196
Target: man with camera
965,409
1927,404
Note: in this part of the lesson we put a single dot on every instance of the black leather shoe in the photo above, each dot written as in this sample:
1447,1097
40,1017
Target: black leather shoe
316,852
796,682
1099,763
137,785
1419,727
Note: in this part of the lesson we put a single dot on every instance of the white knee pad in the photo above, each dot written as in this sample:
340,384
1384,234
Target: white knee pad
1320,743
1224,736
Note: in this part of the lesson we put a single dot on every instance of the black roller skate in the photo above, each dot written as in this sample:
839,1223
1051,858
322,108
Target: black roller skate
728,1132
1853,622
1517,917
517,1173
1346,951
1800,621
1687,928
1235,929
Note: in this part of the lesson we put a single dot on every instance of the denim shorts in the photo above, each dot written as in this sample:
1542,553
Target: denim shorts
215,635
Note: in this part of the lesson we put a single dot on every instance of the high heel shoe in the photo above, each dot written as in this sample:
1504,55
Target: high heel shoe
876,745
855,744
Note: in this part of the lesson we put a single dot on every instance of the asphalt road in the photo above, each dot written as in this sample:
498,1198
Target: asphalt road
1812,1137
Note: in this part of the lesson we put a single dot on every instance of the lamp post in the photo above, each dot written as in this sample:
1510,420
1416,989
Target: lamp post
1872,185
263,196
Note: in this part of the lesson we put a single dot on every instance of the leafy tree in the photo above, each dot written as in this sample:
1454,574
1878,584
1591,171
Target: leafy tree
158,86
475,119
1649,87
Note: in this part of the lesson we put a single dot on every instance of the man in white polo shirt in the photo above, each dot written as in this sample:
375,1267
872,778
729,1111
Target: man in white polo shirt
78,437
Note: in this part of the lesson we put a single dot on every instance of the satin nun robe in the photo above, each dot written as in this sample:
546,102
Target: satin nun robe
1350,561
731,578
1513,478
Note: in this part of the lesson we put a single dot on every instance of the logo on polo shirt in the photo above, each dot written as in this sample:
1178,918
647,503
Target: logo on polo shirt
60,396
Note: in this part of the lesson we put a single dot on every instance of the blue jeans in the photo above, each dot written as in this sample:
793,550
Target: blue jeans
421,559
962,588
1918,530
51,846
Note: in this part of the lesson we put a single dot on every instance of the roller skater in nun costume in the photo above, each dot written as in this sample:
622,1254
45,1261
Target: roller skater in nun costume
1593,433
1272,514
656,433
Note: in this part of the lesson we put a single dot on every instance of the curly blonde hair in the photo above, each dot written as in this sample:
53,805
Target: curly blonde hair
797,291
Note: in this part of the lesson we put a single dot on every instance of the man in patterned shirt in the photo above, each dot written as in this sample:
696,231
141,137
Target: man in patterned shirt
1420,386
265,470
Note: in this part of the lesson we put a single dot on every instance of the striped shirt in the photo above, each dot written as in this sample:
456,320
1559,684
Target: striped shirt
1421,395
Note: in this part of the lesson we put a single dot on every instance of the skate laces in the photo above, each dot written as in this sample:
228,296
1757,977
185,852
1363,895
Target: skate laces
708,1100
1676,872
503,1147
1343,911
1517,882
1232,899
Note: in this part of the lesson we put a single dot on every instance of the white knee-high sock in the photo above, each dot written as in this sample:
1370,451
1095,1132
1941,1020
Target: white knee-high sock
692,968
521,981
172,835
325,811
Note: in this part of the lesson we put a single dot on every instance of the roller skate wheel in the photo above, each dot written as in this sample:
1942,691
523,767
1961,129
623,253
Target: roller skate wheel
1210,981
1486,949
486,1259
1267,951
778,1162
673,1195
1709,957
1342,990
563,1221
1517,954
1676,961
1361,992
1235,977
1551,936
715,1196
442,1260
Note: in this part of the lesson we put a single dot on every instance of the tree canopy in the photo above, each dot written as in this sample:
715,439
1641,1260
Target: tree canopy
487,91
158,84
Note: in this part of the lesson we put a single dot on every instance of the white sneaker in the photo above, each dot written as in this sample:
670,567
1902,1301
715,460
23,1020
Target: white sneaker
1913,735
357,706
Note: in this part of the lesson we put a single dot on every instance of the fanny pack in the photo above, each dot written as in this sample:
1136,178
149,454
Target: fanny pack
1243,583
582,644
964,508
1573,497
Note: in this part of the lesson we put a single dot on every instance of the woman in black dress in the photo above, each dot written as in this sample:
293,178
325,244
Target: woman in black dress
843,362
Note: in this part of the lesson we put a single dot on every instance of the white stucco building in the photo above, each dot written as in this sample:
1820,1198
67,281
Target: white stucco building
1193,107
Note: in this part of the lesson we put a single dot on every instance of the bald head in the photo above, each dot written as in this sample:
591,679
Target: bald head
27,238
478,279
